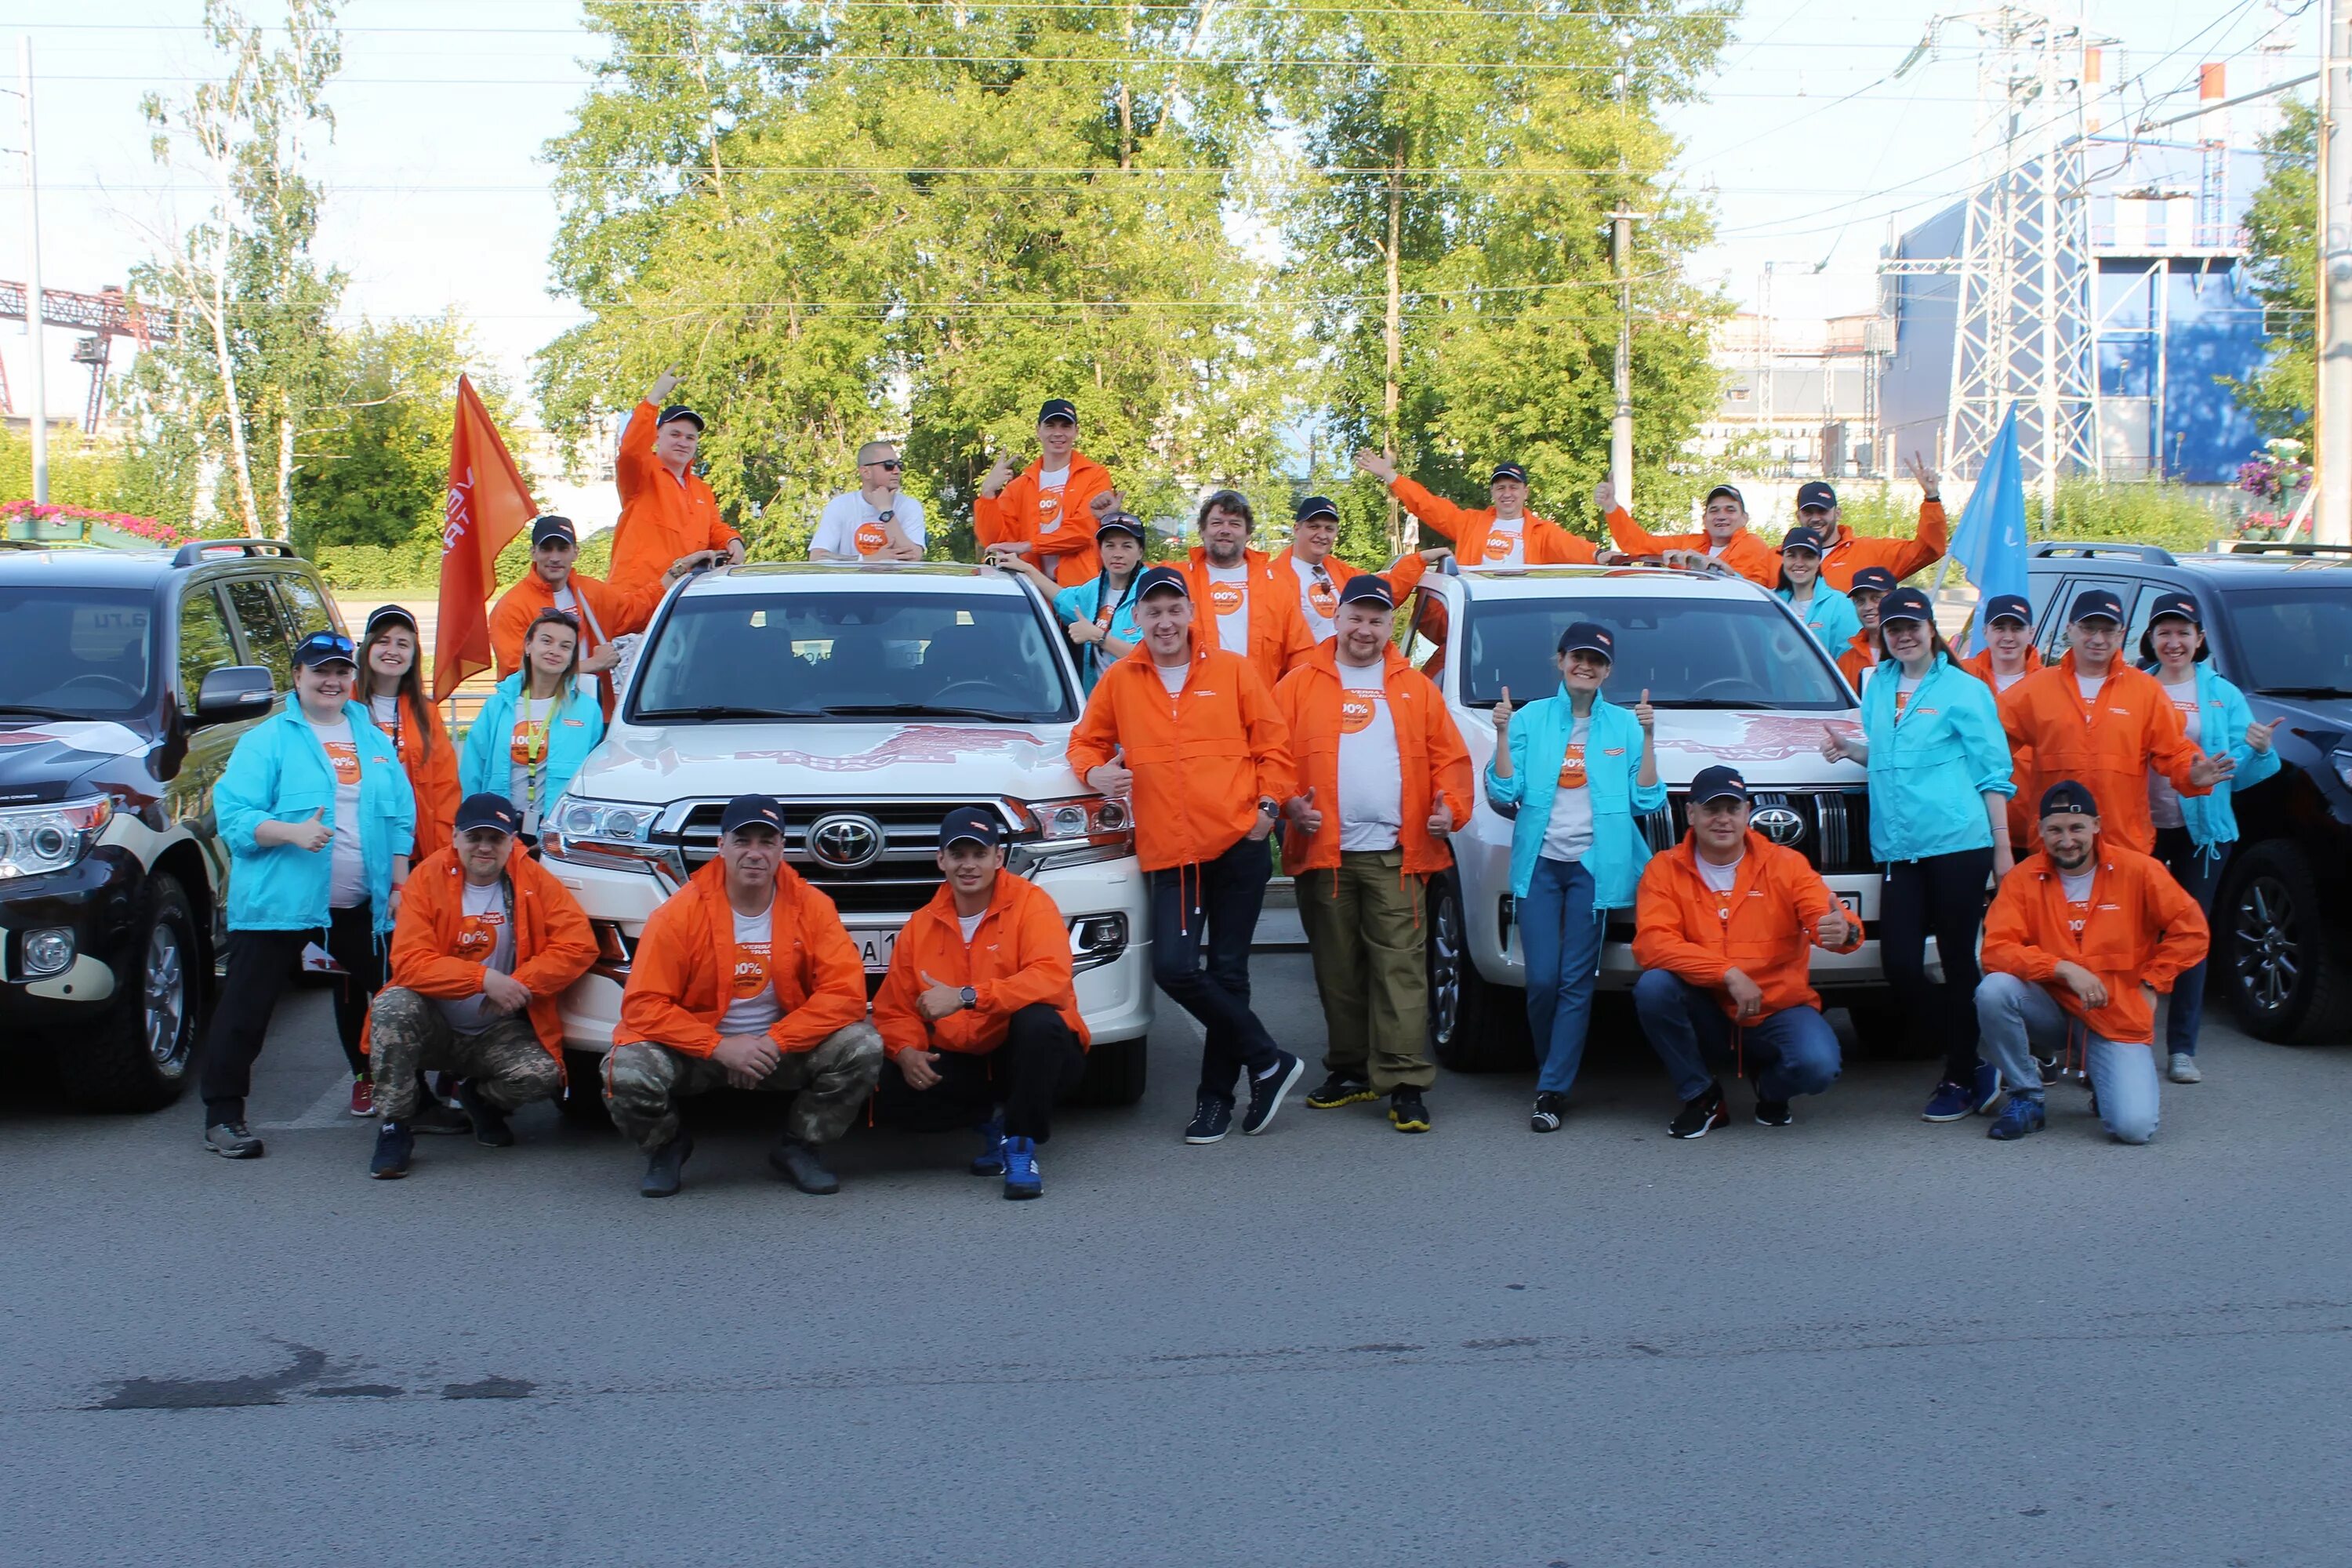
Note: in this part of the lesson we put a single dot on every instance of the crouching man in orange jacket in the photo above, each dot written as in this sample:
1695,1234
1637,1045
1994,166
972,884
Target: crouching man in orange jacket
485,943
2080,941
744,977
980,1010
1726,922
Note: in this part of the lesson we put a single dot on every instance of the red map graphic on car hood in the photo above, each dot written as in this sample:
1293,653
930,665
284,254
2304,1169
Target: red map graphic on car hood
936,745
1767,737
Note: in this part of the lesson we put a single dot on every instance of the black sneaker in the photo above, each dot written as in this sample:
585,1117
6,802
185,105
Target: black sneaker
1406,1112
432,1116
490,1127
1267,1093
1549,1108
2051,1071
393,1144
797,1163
1213,1117
665,1168
1701,1115
1339,1090
231,1141
1772,1113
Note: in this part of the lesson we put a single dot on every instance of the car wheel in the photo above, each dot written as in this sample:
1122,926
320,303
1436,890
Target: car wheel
583,1091
2284,968
1114,1073
1475,1025
139,1056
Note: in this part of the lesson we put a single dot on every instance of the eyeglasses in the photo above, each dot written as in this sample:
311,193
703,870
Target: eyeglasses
892,464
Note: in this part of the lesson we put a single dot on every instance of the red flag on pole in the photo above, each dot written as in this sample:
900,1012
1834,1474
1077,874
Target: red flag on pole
488,504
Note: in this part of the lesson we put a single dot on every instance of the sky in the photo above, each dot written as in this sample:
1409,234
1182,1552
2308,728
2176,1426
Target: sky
1810,148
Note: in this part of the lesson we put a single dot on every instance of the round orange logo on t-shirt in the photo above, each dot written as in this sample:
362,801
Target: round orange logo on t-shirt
1324,595
528,743
1049,512
477,936
1499,544
1356,710
1225,597
750,969
871,539
345,755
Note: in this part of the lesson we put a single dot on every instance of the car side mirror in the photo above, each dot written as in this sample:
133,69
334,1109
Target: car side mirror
236,692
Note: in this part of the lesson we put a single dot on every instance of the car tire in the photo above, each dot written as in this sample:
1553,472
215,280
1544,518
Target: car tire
1114,1072
2283,967
142,1051
583,1091
1475,1024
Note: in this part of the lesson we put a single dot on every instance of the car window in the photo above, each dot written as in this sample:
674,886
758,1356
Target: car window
2043,587
205,643
263,622
1686,652
75,653
306,608
2296,642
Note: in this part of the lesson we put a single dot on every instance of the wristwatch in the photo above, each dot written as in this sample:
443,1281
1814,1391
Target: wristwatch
971,998
1267,807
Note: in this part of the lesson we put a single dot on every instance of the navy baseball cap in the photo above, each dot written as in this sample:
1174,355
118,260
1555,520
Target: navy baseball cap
1122,522
1058,408
752,811
326,648
1589,637
1315,506
389,614
2093,603
1906,605
1731,490
971,824
680,411
1802,538
2180,606
543,529
1717,782
1815,493
2068,796
2008,607
1367,587
1160,577
1508,471
1874,580
488,810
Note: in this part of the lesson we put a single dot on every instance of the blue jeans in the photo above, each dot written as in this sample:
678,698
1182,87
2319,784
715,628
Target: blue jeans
1561,939
2199,877
1210,912
2014,1017
1790,1052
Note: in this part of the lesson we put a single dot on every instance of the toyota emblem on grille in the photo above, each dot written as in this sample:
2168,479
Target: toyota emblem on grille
1780,824
845,841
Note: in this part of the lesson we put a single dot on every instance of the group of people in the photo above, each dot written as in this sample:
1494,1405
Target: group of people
1235,696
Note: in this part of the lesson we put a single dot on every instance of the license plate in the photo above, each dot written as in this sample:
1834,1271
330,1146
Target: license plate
873,947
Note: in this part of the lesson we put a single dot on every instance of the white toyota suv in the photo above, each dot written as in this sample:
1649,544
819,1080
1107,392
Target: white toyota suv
1736,678
871,699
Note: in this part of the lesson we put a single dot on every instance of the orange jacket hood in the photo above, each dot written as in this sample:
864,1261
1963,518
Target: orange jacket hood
1019,955
1434,761
2107,746
2140,928
552,944
1764,927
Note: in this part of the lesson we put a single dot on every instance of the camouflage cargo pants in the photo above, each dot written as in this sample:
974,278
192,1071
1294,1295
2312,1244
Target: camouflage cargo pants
643,1083
408,1034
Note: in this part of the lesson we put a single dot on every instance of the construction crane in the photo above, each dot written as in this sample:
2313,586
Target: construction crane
104,316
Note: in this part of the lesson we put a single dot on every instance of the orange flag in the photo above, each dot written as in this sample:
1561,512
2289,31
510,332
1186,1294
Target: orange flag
488,504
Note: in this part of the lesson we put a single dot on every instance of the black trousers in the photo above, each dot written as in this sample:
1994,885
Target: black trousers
1942,896
1210,912
261,964
1040,1061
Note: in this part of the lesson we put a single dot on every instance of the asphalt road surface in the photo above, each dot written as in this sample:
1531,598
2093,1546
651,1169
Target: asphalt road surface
1858,1340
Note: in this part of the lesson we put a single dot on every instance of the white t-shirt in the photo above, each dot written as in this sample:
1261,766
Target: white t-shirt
971,923
1371,778
1172,676
485,936
347,883
1506,543
851,525
1229,589
527,746
2002,683
566,600
384,711
1569,834
1719,877
2090,685
2163,800
1051,483
751,1007
2078,896
1903,687
1318,599
1715,550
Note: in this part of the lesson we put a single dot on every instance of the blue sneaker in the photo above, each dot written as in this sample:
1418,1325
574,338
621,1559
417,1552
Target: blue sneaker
1950,1102
990,1161
2021,1115
1021,1179
1988,1088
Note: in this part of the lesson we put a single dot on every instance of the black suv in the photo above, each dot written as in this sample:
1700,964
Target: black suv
2278,619
125,678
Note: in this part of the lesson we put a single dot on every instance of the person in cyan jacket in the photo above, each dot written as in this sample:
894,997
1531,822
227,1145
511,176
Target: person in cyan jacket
537,726
1575,772
1827,614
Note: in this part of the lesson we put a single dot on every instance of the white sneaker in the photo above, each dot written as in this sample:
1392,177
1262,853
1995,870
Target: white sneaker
2184,1068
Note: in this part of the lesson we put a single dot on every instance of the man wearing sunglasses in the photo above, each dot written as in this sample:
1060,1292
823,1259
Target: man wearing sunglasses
1314,532
876,521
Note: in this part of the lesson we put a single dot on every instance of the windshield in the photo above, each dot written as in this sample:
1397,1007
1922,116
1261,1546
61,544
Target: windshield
75,653
1725,653
852,655
2294,640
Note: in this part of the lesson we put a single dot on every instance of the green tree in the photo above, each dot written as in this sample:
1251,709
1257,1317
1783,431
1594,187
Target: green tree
2283,258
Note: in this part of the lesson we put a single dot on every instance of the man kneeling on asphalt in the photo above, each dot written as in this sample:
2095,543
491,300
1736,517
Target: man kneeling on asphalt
743,978
980,1010
2079,941
1723,930
485,942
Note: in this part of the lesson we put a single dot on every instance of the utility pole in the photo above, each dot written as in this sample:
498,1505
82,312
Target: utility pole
33,286
2331,515
1621,258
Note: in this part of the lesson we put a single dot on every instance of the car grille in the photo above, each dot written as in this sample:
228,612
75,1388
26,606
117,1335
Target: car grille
1834,825
897,884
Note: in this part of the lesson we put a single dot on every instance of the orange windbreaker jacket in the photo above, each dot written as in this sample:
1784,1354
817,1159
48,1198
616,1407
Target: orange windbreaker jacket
1017,515
1681,925
2140,928
1429,751
1746,554
1547,543
680,980
1201,759
1278,638
1861,655
552,944
663,517
2023,835
1402,579
1019,954
1850,553
433,779
520,605
2106,745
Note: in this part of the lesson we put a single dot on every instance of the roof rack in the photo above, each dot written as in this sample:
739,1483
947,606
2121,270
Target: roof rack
192,554
2280,547
2086,550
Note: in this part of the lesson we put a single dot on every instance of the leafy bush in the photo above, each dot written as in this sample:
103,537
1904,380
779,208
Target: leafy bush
415,565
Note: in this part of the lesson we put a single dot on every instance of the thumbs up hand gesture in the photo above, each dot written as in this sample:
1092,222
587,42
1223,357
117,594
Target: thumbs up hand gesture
310,834
1644,715
1303,811
1503,719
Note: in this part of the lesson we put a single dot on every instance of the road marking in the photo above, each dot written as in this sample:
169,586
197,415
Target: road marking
331,1109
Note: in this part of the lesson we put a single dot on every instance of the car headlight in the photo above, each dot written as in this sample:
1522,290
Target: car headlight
608,820
2341,760
1090,819
37,839
610,833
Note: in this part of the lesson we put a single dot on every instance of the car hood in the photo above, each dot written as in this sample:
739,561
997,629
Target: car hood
655,765
1770,750
47,760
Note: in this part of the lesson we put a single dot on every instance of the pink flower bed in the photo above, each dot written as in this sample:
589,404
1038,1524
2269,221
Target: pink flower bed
121,522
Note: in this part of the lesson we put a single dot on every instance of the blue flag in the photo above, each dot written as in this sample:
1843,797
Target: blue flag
1989,543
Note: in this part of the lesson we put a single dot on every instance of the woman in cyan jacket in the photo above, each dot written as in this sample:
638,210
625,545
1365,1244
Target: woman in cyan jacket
1939,787
1829,614
537,726
2193,833
1573,772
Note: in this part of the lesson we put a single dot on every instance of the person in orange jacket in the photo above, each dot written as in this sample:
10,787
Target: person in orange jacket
2093,719
551,584
1723,537
1314,532
669,517
2007,657
1383,777
1861,654
1249,610
1191,733
979,1009
1504,534
390,652
2081,940
1848,552
1724,927
485,941
1048,513
744,977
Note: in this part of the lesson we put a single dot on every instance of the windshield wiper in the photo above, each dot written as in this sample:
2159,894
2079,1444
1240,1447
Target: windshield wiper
726,710
2301,691
918,710
32,712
